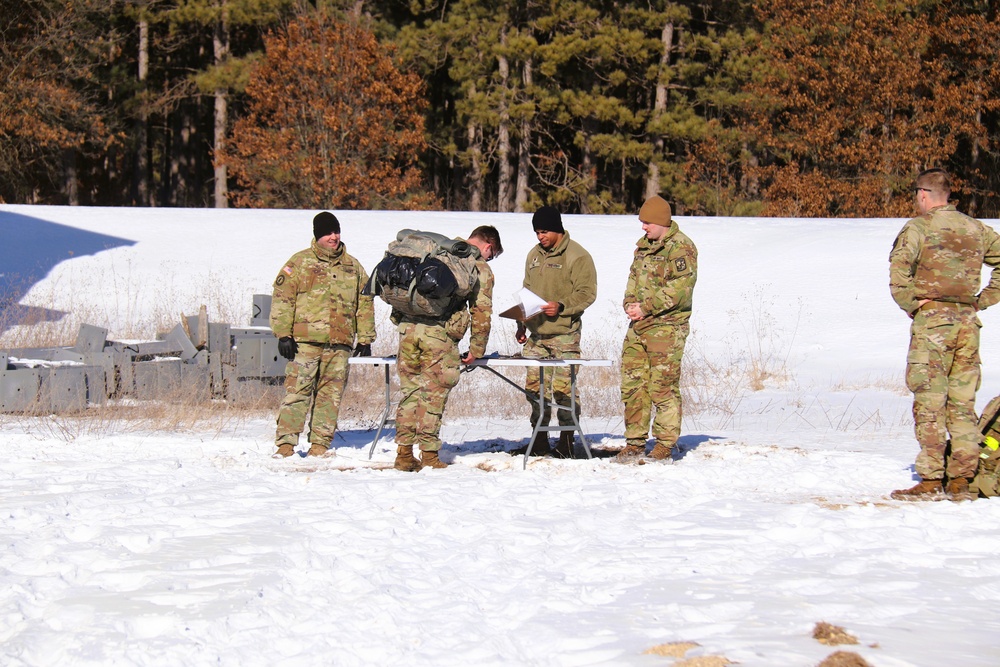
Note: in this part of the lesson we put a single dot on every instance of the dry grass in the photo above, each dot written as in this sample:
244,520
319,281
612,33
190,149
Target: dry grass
753,353
832,635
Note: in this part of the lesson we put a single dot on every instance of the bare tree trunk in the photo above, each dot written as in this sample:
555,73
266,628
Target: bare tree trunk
141,182
72,184
659,106
973,202
524,150
181,165
503,138
220,45
475,169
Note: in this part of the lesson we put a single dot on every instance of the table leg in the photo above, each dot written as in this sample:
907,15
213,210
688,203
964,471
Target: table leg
572,402
385,414
542,392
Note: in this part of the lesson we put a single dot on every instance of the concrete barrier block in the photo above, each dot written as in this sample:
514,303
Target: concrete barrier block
180,337
248,356
19,390
157,379
197,383
90,339
261,316
64,389
272,364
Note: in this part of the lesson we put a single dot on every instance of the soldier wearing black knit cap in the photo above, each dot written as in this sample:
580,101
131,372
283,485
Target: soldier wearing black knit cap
560,271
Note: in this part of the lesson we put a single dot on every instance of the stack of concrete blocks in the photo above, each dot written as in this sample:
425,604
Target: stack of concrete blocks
197,360
58,379
258,365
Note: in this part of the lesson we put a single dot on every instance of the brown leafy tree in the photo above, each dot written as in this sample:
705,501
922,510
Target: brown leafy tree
50,112
331,123
846,110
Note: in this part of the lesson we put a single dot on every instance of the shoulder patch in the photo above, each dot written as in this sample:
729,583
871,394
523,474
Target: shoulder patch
280,280
681,264
287,269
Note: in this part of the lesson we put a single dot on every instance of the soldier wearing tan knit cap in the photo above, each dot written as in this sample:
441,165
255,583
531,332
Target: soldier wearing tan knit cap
657,302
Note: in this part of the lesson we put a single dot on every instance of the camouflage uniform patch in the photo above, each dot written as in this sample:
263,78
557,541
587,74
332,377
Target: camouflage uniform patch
651,376
563,346
315,378
428,367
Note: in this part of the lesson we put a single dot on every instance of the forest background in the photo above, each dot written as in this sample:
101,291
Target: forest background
795,108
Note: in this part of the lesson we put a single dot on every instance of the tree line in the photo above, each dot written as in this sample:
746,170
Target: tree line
725,107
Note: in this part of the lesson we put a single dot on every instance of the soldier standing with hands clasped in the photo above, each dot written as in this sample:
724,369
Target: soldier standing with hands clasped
935,269
658,298
317,313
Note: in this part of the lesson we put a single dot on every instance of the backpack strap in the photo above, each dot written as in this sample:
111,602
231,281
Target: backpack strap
455,247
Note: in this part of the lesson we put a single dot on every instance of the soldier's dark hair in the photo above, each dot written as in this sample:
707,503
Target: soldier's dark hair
936,180
489,234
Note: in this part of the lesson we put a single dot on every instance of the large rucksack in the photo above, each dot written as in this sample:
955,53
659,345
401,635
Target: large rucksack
424,274
987,480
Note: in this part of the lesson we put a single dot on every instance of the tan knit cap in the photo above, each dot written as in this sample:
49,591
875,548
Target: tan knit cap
656,210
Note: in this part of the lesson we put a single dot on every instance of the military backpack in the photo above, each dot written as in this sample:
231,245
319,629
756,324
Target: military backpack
424,274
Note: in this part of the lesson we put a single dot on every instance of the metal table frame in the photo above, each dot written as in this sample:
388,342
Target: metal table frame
491,364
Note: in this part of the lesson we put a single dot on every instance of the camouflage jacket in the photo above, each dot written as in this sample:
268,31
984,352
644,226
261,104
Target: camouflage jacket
565,274
661,279
939,256
476,309
317,298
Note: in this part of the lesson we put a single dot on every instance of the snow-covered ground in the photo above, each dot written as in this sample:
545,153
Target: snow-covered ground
195,547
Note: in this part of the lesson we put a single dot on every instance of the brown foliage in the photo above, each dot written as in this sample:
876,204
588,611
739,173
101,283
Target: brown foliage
849,108
48,55
332,123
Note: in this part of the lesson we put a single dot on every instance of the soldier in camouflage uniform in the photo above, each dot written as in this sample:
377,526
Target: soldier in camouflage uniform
657,301
317,313
560,271
934,276
428,359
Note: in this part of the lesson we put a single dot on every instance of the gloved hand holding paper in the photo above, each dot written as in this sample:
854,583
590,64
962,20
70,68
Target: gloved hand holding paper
528,305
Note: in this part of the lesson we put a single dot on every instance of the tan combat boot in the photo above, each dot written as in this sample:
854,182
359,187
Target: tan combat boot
564,450
321,450
958,490
431,460
405,460
661,452
630,453
925,489
284,451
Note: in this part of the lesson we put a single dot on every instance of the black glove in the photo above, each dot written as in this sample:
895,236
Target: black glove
362,350
287,347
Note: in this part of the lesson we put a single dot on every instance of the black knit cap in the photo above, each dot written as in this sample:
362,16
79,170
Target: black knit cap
325,223
547,219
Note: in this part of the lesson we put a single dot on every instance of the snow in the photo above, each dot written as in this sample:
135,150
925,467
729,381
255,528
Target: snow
194,547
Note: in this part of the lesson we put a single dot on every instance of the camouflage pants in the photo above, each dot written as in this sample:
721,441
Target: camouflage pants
428,367
314,382
651,376
942,371
562,346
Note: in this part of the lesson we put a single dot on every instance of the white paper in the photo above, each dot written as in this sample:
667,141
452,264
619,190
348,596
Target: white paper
530,302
